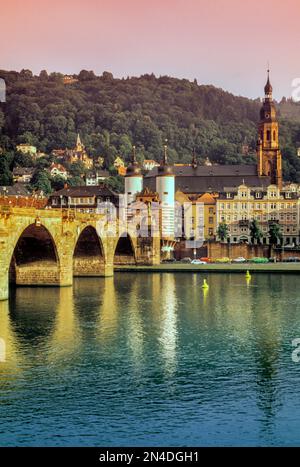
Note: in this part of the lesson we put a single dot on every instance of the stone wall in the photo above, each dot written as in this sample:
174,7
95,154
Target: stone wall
181,251
221,250
120,260
288,253
40,273
88,266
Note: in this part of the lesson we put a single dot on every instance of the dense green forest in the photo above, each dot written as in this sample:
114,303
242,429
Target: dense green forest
113,114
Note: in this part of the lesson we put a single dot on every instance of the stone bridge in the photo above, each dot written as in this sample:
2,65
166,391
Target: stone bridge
50,247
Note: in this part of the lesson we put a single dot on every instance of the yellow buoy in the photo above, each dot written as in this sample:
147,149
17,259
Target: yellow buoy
205,284
248,275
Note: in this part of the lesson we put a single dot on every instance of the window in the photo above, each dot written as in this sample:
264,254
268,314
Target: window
228,206
235,206
288,195
274,135
165,192
210,220
54,201
257,195
222,206
228,195
268,135
211,210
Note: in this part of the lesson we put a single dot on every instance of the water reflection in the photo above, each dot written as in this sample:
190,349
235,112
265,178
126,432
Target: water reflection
214,363
135,335
108,313
168,337
9,354
66,336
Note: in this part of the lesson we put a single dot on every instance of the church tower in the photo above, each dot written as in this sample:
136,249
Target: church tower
165,187
268,152
133,179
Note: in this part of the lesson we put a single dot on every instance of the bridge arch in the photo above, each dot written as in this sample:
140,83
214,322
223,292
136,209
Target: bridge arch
125,250
89,253
34,259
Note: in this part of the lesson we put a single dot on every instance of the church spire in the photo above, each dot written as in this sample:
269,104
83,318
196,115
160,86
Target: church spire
133,157
268,88
165,159
78,141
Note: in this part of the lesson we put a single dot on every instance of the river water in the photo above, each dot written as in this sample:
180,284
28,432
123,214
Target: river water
152,359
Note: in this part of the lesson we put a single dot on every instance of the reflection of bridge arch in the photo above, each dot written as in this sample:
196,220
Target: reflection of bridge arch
125,250
89,255
34,259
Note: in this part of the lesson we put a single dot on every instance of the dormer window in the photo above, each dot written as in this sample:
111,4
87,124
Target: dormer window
228,195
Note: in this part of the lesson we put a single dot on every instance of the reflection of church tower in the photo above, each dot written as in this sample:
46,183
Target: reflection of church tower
268,152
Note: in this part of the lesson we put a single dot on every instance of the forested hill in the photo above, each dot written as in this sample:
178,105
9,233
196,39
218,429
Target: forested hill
112,114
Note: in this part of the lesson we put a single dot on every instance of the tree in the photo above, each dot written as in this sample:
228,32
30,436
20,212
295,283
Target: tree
57,182
40,181
23,160
255,231
275,234
5,173
222,231
116,183
75,181
85,75
43,75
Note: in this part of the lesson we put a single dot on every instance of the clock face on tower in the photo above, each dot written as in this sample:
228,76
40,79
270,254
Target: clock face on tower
267,115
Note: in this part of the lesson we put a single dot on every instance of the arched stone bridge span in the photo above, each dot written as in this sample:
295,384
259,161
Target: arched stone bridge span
50,247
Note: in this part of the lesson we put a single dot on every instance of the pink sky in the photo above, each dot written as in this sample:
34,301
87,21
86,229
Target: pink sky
227,43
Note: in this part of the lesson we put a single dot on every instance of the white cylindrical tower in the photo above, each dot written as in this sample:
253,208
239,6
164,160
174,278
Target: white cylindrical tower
133,179
165,187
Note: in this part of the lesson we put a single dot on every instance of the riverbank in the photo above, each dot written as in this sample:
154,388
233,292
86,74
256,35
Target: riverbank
282,268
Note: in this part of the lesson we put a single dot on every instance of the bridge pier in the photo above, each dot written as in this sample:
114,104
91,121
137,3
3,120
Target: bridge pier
3,282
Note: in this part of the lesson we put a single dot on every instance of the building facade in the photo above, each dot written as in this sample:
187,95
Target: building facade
238,207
